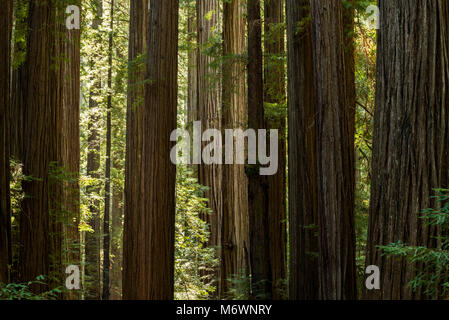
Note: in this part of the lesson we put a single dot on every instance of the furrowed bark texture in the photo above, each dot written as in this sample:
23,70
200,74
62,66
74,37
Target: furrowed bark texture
257,184
303,202
274,93
410,136
133,242
71,149
5,94
235,232
47,93
208,112
17,89
335,156
154,269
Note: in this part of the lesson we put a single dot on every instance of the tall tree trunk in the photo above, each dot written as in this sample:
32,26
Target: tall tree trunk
348,24
5,93
410,136
274,93
134,242
235,232
303,201
41,219
208,110
107,187
117,232
18,82
257,184
154,254
192,77
335,159
71,148
92,239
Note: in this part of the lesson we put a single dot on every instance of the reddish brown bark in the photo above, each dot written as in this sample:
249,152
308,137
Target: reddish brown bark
257,184
47,97
303,214
335,155
149,262
208,112
410,146
5,86
134,150
235,232
274,93
71,149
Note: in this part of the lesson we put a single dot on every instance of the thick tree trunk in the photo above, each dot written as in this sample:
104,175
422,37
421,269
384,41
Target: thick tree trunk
42,216
303,202
71,149
235,229
5,93
107,187
208,112
93,239
153,264
335,156
134,242
257,184
274,93
410,147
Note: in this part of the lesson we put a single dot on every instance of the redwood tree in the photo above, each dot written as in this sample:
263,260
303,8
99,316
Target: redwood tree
335,155
274,95
71,147
410,145
207,109
303,202
257,184
47,123
149,232
5,212
132,275
235,232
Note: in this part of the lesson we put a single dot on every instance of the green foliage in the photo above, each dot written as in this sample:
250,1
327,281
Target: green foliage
432,278
20,32
365,76
23,291
194,260
239,286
